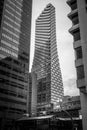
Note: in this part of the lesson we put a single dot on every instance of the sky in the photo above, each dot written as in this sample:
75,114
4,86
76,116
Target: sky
64,42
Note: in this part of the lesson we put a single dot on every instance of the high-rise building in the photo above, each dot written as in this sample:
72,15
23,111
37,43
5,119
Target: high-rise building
78,16
15,30
47,86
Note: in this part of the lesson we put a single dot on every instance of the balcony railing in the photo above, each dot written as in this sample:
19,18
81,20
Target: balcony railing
72,13
73,28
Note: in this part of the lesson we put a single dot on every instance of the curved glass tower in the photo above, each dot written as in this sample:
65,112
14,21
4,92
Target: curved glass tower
47,80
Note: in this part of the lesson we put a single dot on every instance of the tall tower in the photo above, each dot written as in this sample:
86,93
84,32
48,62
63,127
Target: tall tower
15,28
47,86
78,16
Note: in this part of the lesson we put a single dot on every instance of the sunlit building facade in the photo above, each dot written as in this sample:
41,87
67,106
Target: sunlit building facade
47,86
78,16
15,28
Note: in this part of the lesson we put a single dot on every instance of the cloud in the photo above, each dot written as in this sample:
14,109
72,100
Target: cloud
70,87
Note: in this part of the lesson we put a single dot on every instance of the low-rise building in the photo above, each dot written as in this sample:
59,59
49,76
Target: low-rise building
71,102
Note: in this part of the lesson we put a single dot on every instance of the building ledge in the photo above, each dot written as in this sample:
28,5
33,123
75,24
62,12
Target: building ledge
73,28
77,44
72,13
78,62
81,84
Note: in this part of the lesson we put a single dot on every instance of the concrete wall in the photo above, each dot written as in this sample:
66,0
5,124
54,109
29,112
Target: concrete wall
83,31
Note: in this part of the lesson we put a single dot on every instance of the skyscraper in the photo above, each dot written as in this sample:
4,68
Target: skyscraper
15,30
78,16
47,86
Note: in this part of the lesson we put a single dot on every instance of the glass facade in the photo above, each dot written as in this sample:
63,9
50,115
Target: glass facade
46,63
14,56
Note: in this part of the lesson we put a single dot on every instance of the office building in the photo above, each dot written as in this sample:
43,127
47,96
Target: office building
47,86
15,30
78,16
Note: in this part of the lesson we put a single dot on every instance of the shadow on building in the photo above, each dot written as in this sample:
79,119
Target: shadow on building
13,91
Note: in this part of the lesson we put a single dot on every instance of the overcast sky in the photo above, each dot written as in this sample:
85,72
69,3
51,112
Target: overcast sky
64,42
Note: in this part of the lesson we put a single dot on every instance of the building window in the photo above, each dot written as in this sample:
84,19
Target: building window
78,52
38,109
39,86
83,89
43,97
44,86
75,19
80,72
76,35
86,1
74,5
38,98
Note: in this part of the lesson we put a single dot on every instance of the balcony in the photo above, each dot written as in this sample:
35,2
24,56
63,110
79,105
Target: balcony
73,28
72,13
72,4
81,84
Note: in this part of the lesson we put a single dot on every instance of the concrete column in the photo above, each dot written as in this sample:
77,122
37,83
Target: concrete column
83,97
82,12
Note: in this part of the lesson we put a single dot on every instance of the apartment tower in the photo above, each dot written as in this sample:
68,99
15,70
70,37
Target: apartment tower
47,86
78,16
15,26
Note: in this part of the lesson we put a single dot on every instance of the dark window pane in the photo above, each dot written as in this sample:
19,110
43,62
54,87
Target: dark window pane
38,98
78,52
80,72
44,86
43,97
75,19
39,86
74,5
76,35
